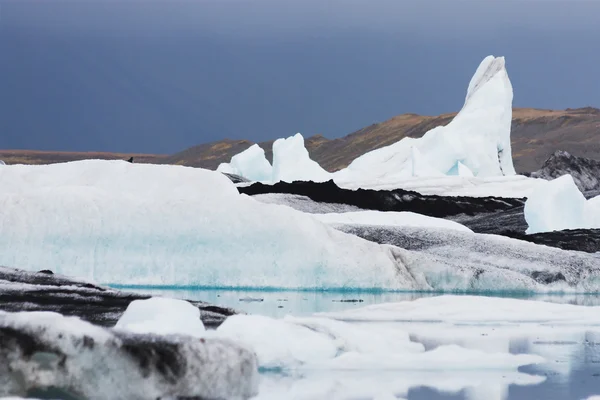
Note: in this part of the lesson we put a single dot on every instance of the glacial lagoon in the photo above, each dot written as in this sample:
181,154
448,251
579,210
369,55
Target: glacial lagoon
572,353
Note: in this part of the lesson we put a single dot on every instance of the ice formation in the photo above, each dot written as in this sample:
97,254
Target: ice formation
449,260
45,349
474,309
516,186
390,218
162,316
478,137
250,163
2,162
139,224
326,344
558,204
291,162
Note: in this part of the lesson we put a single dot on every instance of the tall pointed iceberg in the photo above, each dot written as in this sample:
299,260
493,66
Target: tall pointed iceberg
478,137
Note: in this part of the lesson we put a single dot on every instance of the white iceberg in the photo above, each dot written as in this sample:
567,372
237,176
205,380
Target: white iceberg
390,218
558,204
477,138
162,316
139,224
250,163
291,162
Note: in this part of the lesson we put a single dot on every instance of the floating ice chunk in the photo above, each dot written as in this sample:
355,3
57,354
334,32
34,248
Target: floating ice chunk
478,137
291,162
390,218
321,343
250,163
162,316
478,309
139,224
278,344
558,204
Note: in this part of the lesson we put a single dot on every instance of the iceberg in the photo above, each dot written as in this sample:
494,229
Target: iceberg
162,316
478,137
449,260
45,349
250,164
558,204
291,162
114,222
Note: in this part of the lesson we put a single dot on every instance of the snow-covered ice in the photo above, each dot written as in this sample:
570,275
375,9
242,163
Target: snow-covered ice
517,186
558,204
162,316
325,344
291,162
250,163
139,224
390,218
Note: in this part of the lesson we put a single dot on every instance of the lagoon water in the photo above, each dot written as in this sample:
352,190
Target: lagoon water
571,370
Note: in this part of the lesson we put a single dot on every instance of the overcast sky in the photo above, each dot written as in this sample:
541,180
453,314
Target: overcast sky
162,75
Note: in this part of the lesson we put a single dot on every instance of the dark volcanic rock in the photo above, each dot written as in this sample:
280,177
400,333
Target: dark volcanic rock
51,354
40,291
388,200
499,216
587,240
585,171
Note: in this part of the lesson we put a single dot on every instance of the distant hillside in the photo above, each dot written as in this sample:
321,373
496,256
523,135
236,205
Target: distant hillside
536,134
50,157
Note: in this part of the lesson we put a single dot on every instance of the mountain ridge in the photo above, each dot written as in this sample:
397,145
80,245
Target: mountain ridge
535,135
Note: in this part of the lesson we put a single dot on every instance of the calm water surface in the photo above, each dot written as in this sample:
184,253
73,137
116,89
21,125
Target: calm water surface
572,370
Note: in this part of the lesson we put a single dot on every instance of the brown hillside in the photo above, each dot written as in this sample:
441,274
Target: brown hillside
51,157
535,135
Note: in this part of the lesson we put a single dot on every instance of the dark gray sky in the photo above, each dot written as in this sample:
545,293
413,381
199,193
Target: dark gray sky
162,75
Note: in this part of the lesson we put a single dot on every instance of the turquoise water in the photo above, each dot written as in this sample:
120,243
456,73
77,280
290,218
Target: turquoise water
572,370
300,303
